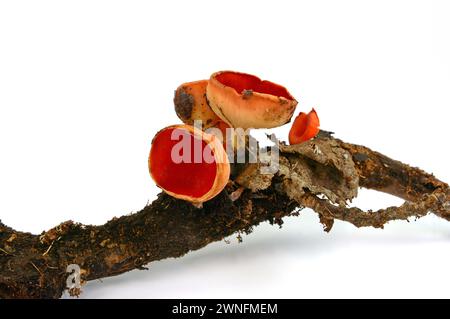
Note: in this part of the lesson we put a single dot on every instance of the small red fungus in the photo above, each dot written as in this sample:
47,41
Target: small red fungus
305,127
245,101
191,105
188,164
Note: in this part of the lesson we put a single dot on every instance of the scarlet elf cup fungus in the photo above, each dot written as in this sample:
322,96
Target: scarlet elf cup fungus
188,164
245,101
305,127
191,105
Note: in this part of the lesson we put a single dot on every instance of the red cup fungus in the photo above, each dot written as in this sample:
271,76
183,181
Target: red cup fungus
191,105
305,127
245,101
188,164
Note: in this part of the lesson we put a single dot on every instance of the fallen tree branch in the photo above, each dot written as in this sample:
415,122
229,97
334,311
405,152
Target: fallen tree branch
323,174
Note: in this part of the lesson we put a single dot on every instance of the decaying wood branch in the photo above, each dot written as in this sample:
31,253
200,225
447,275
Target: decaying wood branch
323,174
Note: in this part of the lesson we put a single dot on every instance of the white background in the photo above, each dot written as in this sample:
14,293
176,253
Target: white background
84,86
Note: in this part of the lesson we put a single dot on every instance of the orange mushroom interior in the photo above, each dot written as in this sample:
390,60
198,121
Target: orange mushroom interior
241,82
190,179
305,127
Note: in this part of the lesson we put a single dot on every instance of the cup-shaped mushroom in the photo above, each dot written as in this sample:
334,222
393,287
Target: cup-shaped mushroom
191,105
304,128
245,101
188,163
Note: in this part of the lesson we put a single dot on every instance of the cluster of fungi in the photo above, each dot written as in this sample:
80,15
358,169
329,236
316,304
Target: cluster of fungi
208,199
226,101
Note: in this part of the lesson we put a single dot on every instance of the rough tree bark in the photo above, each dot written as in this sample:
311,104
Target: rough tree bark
323,174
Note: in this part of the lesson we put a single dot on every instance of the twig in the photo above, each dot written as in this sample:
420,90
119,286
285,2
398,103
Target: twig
4,251
376,219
